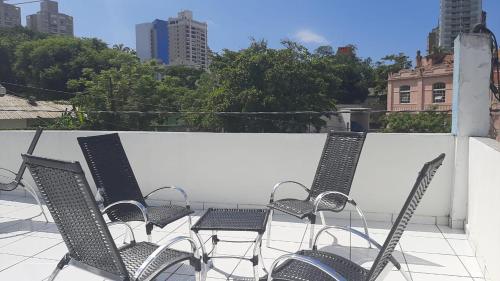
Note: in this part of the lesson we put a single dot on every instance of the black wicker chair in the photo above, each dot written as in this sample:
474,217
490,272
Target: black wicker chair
67,194
332,182
15,180
118,187
322,266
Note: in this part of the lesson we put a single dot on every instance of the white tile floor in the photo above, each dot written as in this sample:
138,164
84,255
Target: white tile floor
30,248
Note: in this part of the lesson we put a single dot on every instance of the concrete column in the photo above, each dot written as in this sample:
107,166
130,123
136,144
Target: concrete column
470,112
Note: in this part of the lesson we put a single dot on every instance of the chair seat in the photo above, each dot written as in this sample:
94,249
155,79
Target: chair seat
293,270
302,208
134,255
157,215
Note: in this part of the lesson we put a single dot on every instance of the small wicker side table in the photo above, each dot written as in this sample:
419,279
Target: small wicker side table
253,220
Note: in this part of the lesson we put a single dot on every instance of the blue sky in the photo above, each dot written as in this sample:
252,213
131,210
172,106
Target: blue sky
377,27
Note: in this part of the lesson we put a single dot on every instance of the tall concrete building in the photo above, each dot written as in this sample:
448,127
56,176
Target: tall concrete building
152,41
10,15
49,20
457,16
188,41
178,41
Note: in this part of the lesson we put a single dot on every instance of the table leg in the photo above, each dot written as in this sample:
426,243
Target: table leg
205,256
257,252
261,259
215,240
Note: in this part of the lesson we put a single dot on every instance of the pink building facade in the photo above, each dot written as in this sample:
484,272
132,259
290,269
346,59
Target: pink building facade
427,87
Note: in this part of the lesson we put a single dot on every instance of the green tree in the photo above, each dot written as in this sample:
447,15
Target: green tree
387,65
51,62
324,51
188,76
261,79
130,87
10,39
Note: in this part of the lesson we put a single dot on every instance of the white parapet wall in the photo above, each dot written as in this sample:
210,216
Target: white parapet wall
240,169
483,223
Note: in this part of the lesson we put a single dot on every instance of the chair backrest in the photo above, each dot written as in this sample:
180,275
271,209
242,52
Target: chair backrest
34,141
337,165
110,169
423,180
68,197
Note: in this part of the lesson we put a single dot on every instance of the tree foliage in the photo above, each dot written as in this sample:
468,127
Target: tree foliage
112,89
387,65
262,79
133,87
424,122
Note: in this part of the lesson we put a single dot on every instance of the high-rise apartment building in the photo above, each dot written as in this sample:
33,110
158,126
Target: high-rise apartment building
178,41
457,16
10,15
188,41
49,20
152,41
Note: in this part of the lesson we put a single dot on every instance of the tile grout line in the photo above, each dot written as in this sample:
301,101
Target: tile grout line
26,258
239,262
461,262
406,261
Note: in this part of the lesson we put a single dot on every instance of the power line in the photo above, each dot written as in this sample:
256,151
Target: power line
38,88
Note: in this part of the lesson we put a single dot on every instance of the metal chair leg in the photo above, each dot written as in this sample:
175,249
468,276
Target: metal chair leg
257,254
62,263
268,241
365,224
190,224
149,229
198,276
312,222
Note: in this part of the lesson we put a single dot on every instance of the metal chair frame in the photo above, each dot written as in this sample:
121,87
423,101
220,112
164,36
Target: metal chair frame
322,197
18,181
58,180
139,201
380,267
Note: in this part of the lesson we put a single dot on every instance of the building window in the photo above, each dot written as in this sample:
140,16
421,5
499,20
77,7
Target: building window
404,94
439,93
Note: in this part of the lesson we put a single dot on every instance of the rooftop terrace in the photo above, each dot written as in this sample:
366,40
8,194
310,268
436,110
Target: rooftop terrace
30,248
220,170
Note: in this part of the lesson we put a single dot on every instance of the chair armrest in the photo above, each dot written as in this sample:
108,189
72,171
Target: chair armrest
128,228
184,194
161,249
311,261
320,197
130,202
358,233
276,186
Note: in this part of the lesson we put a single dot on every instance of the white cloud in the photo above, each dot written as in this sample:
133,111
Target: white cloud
211,22
310,37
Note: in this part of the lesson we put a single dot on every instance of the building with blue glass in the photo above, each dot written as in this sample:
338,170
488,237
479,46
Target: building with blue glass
152,41
179,41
